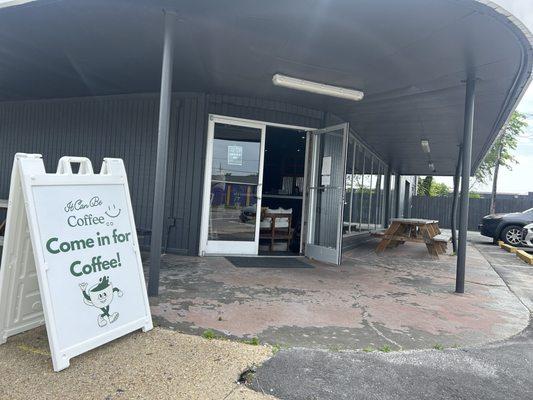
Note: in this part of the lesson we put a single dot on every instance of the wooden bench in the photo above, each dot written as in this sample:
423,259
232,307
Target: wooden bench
442,241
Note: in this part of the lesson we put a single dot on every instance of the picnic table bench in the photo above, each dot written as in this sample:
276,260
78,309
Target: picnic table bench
403,230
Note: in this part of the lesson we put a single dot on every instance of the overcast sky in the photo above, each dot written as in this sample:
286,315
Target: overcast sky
518,180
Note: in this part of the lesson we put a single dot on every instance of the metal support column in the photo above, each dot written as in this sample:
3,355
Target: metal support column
397,191
387,199
165,100
465,183
456,180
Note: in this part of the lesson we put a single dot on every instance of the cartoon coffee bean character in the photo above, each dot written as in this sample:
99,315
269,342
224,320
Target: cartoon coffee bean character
100,296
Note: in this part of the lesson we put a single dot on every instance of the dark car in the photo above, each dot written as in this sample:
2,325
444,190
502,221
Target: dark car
506,227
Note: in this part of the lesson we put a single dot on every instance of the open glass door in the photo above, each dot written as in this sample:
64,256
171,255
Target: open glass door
326,190
232,192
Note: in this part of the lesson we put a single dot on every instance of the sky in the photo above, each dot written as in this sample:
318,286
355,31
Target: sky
514,181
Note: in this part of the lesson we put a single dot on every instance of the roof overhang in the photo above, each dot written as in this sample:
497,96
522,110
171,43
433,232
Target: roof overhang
410,58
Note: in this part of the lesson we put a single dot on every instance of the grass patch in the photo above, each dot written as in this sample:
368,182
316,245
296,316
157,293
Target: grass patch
385,349
438,346
209,334
368,349
253,341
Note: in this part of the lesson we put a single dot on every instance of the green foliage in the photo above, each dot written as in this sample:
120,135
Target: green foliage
424,186
439,189
209,334
474,195
502,149
438,346
428,187
253,341
368,349
385,349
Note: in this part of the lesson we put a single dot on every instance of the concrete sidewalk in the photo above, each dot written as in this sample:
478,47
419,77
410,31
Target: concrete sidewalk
159,364
402,299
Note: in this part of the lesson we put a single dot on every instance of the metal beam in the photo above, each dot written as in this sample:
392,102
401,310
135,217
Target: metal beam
465,183
158,212
387,199
397,190
456,181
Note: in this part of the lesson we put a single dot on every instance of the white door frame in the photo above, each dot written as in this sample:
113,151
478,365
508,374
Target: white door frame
232,247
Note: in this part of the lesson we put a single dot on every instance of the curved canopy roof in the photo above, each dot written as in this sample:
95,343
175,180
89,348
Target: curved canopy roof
410,57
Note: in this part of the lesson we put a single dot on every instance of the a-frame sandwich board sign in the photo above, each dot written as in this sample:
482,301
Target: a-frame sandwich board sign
71,257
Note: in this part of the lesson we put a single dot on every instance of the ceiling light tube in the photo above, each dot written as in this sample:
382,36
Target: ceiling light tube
425,146
318,88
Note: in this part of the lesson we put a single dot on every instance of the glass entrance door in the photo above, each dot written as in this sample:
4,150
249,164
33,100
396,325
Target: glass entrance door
326,187
232,193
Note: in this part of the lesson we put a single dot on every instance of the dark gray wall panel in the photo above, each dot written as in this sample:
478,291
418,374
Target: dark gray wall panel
265,110
126,127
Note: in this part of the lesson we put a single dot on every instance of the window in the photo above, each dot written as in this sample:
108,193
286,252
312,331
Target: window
365,190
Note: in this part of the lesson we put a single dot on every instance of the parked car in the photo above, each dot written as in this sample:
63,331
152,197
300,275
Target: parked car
506,227
527,235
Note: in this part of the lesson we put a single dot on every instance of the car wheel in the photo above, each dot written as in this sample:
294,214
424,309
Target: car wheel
512,235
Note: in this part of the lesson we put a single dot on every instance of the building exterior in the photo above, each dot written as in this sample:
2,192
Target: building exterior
214,145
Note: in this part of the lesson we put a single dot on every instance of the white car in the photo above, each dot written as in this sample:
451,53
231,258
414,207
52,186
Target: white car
527,235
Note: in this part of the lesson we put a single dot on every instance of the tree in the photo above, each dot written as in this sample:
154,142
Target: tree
428,187
501,154
424,186
439,189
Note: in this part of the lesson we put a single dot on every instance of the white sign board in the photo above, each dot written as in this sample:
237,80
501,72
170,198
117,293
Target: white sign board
234,155
71,257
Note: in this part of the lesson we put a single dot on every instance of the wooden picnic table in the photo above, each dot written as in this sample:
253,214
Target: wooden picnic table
403,230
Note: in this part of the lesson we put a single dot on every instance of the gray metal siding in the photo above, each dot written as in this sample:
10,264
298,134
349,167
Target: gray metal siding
94,127
126,127
118,126
265,110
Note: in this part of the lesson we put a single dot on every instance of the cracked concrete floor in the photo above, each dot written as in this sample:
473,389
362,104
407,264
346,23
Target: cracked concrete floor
403,299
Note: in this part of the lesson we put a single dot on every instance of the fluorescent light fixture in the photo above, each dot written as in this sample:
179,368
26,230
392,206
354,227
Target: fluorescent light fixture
318,88
11,3
425,146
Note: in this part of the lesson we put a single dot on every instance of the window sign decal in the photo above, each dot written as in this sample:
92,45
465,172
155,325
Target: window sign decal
234,155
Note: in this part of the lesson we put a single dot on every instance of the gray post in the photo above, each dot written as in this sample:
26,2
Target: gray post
387,199
465,183
456,180
397,190
165,100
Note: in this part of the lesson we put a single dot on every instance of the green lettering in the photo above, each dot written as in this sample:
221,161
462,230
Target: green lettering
49,243
72,266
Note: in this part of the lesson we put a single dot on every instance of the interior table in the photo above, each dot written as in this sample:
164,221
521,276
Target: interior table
403,230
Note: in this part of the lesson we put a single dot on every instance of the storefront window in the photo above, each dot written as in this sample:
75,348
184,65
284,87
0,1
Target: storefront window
364,205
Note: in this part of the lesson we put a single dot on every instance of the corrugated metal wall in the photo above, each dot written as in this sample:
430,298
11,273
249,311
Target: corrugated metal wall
126,127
